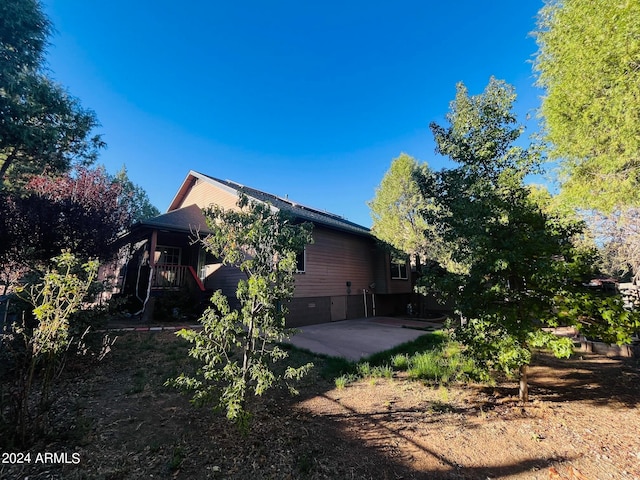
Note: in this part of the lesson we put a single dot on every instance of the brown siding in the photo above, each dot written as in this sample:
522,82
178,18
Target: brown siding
399,286
334,259
225,278
381,266
384,283
205,194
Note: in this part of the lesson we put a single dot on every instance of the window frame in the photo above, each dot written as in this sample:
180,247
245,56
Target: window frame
396,270
304,261
160,248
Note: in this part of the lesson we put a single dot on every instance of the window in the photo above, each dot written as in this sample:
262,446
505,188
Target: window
301,261
167,255
399,270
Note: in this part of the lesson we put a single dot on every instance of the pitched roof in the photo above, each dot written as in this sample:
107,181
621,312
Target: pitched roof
185,219
297,210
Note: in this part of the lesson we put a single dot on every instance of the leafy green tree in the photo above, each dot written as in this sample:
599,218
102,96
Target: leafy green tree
589,64
518,259
33,354
42,126
135,197
237,346
396,211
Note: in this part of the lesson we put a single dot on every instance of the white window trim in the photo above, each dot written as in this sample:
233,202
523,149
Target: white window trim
399,271
304,262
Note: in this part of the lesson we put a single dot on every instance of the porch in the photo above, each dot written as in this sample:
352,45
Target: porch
175,277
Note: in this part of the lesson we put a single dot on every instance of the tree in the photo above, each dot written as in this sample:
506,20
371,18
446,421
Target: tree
396,208
236,346
589,63
619,235
84,211
42,126
510,249
33,355
140,207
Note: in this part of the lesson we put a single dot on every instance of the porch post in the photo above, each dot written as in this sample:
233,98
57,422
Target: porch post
152,252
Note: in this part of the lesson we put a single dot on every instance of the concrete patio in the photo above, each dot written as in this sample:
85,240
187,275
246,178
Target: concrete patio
355,339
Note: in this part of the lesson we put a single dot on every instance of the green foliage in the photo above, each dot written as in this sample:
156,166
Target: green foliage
382,371
237,347
519,257
601,316
58,296
443,365
35,353
135,198
363,369
434,357
396,208
42,127
588,63
429,341
343,380
400,361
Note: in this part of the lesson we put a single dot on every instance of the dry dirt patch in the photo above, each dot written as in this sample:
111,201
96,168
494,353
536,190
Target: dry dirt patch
125,425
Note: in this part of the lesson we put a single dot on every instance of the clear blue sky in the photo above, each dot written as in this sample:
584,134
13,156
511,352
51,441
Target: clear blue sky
307,99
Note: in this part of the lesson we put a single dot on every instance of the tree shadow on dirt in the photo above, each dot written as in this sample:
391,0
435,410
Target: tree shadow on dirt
605,381
393,449
614,382
137,428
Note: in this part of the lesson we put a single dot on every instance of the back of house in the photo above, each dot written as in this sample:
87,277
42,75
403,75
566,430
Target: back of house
345,273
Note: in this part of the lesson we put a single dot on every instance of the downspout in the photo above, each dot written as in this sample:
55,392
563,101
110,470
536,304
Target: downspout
152,264
143,260
144,304
364,296
373,301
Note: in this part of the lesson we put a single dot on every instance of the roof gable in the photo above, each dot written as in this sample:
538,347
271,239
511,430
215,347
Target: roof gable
298,211
188,218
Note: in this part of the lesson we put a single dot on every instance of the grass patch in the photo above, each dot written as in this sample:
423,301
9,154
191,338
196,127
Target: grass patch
432,358
343,380
421,344
383,371
443,365
400,361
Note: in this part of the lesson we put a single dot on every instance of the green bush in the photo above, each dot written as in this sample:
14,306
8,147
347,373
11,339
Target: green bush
400,361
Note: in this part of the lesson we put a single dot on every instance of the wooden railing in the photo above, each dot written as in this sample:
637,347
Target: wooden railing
175,276
169,276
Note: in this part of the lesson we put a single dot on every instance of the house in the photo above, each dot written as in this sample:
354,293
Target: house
344,274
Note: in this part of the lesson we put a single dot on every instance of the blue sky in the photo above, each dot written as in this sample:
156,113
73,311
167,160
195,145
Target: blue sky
307,99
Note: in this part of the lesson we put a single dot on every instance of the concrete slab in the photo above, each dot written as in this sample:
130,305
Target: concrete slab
355,339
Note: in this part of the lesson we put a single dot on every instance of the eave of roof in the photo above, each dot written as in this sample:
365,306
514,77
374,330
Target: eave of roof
189,219
298,211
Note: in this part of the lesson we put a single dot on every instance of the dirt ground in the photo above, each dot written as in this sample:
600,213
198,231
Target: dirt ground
122,423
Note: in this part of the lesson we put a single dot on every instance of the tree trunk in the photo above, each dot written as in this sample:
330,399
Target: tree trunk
524,385
7,163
